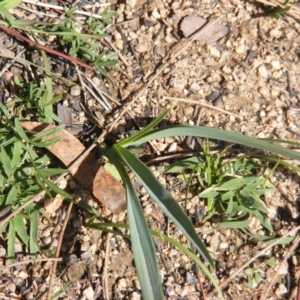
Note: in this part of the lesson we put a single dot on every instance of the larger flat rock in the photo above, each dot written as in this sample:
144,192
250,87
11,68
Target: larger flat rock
191,24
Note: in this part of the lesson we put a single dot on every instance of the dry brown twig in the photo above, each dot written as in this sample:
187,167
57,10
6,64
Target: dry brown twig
46,49
53,270
32,261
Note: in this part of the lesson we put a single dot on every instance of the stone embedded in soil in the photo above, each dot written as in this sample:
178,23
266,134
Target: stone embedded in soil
191,25
75,90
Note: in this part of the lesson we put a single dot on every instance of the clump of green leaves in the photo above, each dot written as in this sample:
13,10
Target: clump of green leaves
84,46
140,235
34,101
232,187
255,274
23,174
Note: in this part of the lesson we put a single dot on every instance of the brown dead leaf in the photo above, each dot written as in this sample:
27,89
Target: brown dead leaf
84,167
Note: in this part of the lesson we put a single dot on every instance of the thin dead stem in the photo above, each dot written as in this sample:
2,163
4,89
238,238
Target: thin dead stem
31,261
53,270
80,12
105,277
203,104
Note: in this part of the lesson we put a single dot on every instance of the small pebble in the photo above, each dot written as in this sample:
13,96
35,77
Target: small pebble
281,290
122,284
89,293
191,24
75,90
172,147
262,71
262,113
141,47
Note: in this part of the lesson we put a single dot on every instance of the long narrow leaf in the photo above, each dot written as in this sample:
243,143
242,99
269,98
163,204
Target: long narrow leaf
33,235
164,200
138,135
142,243
214,133
11,243
20,228
104,227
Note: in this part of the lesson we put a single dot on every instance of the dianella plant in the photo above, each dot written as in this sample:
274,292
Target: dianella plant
142,244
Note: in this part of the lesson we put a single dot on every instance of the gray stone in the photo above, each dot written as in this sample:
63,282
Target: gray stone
191,24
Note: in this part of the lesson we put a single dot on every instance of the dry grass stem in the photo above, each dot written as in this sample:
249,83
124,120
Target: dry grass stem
80,12
203,104
53,270
32,261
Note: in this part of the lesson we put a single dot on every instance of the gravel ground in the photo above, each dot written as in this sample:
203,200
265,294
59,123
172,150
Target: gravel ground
242,76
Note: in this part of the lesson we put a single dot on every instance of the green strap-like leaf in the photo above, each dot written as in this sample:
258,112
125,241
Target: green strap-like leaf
147,129
164,200
142,243
217,134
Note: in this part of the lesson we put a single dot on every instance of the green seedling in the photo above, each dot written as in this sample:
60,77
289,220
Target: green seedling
232,187
256,275
279,10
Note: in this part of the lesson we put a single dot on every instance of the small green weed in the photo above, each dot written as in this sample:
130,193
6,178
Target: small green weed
22,176
232,187
32,102
84,46
255,275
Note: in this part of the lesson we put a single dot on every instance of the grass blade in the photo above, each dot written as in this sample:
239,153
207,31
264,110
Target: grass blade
165,201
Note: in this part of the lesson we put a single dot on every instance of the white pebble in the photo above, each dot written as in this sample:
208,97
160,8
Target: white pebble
89,293
223,245
214,52
172,147
122,284
281,290
141,47
262,71
276,64
75,90
262,113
